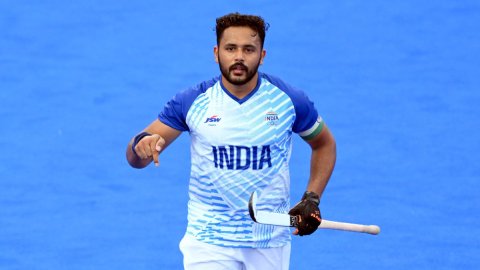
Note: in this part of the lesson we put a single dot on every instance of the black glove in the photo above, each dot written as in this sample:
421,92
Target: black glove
307,213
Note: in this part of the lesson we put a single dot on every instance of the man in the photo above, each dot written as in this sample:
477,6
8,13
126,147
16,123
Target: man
240,125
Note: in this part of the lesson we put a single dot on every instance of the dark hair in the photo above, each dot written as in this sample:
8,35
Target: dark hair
256,23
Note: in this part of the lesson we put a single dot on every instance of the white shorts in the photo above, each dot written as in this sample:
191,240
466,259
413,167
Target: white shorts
200,256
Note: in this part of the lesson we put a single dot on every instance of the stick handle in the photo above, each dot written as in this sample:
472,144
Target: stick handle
344,226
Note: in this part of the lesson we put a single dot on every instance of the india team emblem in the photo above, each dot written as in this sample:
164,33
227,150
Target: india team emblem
271,118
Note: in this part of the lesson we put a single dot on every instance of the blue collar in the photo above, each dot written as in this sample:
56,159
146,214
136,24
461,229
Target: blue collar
242,100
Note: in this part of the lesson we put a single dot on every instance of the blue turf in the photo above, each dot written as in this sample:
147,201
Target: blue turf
395,81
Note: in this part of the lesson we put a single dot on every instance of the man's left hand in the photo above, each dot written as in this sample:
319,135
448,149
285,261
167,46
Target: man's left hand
307,213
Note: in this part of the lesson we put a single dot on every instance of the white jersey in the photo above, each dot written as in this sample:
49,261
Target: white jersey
239,146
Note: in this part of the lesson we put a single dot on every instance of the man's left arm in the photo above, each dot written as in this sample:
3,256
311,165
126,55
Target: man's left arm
321,168
322,160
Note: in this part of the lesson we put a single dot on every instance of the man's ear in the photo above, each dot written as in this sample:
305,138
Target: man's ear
264,53
215,53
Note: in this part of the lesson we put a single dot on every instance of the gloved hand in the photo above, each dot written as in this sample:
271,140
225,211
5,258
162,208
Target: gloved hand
307,213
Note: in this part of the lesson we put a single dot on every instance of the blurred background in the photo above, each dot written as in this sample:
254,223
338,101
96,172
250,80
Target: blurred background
394,80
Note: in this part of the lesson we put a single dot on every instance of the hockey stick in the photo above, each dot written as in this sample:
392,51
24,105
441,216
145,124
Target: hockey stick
281,219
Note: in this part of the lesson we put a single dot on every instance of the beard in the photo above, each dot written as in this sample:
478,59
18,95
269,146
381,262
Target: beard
238,80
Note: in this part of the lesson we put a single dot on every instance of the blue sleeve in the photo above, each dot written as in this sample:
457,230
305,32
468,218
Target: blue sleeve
174,114
306,114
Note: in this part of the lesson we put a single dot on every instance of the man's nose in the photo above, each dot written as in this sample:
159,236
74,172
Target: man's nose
239,56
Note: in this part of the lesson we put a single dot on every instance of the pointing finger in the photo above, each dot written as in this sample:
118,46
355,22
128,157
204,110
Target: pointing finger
155,158
156,146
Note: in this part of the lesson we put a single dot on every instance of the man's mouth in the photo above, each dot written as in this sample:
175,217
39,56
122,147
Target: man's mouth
238,69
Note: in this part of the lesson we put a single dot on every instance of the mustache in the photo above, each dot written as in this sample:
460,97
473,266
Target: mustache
237,65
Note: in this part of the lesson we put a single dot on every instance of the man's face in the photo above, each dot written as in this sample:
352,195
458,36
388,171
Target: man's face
239,54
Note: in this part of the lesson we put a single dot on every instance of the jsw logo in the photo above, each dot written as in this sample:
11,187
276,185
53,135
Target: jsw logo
213,119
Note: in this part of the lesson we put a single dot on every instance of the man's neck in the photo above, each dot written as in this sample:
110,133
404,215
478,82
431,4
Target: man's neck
240,91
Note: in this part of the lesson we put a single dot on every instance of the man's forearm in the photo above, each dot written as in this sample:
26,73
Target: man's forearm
322,163
321,168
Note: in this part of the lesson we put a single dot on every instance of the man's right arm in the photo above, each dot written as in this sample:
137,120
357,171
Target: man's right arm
149,147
